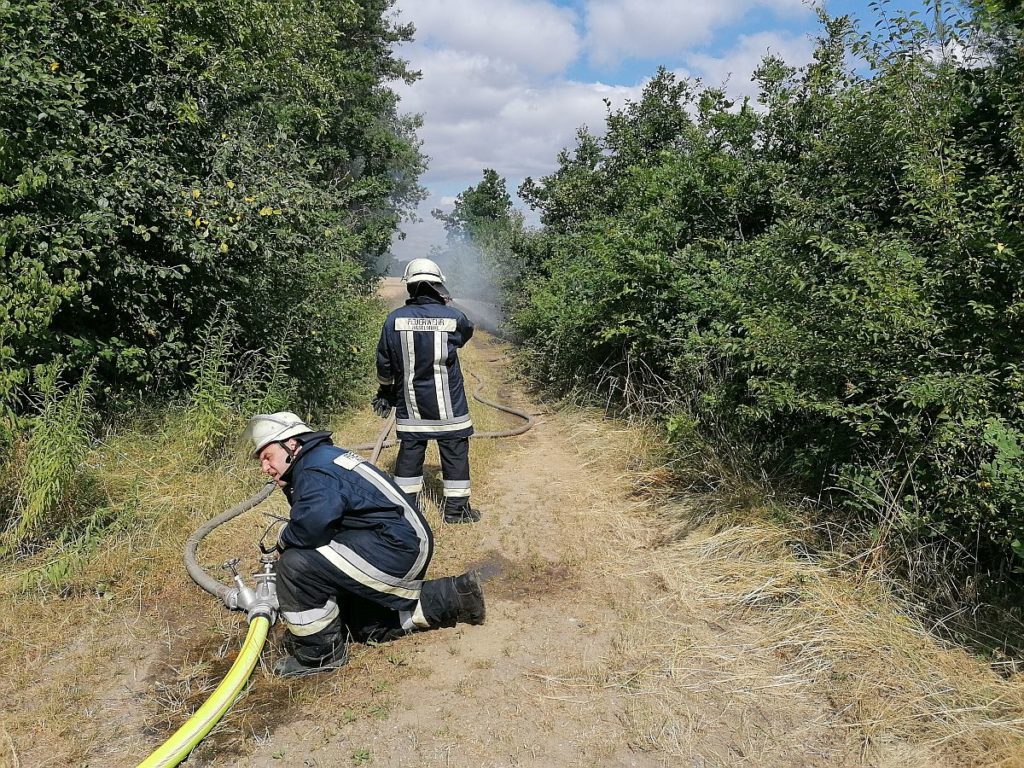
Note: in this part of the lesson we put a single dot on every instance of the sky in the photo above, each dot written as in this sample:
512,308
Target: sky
507,83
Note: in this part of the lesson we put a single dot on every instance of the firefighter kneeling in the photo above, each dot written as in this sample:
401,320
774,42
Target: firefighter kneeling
354,553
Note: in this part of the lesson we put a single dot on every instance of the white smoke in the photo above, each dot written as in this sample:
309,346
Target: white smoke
472,283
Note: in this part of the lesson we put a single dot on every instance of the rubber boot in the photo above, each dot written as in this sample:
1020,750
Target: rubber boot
290,666
462,514
455,599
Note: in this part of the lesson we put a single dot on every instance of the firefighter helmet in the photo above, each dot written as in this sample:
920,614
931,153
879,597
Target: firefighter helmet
267,428
422,270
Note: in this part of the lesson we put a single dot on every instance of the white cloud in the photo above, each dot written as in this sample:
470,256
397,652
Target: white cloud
618,29
480,112
495,92
622,28
534,35
735,69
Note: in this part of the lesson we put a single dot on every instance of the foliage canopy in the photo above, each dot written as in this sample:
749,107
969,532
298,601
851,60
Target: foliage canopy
162,158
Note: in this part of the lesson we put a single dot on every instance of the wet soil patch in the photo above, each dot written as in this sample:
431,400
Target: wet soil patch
523,580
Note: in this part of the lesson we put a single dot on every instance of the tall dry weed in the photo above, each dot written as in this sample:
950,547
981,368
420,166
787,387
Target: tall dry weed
47,468
227,385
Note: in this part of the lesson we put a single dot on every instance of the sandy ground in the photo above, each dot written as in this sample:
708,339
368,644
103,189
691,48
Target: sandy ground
494,694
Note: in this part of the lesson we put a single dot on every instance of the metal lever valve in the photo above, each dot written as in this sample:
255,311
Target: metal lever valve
261,601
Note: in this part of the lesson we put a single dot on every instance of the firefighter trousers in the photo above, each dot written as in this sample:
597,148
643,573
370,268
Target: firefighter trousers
358,587
454,469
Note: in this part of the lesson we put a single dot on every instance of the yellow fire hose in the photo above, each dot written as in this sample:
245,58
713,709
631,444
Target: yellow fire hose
195,729
184,740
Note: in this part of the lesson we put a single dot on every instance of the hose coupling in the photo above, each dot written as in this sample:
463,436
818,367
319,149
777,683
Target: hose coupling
266,591
261,601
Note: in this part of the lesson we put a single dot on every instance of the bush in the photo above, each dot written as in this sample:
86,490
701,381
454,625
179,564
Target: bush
833,279
159,161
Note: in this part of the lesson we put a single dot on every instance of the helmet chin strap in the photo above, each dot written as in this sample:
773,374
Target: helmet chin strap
291,453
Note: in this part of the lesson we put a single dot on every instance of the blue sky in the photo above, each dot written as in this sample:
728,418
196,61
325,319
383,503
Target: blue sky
506,83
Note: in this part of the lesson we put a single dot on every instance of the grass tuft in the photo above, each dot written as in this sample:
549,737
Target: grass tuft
48,466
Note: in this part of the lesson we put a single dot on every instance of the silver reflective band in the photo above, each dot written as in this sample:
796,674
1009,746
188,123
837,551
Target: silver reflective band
409,356
409,484
425,425
412,620
345,560
441,376
456,489
303,623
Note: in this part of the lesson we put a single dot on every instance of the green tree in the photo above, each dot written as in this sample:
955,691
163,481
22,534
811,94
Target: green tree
481,229
159,159
477,208
832,279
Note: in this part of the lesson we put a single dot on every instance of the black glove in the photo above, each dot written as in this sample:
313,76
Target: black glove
384,400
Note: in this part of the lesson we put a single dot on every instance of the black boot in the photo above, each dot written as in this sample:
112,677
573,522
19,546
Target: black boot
456,599
461,514
472,609
293,666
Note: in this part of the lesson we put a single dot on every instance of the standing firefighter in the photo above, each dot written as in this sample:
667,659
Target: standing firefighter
354,553
419,374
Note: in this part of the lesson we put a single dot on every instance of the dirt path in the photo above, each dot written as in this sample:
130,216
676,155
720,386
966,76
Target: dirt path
492,695
560,675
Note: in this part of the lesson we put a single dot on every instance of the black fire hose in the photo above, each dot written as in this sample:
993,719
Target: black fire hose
201,577
528,420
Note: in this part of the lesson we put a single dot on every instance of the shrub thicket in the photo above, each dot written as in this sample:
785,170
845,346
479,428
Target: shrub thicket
160,159
832,276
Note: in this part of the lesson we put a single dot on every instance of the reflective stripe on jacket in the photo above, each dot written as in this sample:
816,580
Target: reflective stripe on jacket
418,353
332,490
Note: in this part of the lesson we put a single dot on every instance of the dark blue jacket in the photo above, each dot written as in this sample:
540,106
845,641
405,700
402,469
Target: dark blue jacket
332,490
418,355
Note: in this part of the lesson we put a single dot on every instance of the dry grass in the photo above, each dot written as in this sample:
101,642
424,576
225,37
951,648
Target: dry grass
109,646
884,674
743,644
88,624
8,754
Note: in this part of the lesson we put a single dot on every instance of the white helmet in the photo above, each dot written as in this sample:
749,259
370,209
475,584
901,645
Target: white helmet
422,270
267,428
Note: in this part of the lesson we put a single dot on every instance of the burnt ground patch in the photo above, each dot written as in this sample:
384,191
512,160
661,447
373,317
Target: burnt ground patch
523,580
187,673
